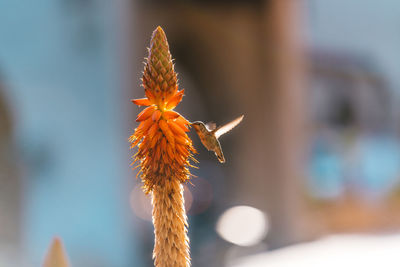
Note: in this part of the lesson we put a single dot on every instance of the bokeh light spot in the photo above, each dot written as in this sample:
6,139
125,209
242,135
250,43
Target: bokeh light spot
141,203
243,225
188,196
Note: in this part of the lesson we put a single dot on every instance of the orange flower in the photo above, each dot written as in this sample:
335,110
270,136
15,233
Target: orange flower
164,150
164,147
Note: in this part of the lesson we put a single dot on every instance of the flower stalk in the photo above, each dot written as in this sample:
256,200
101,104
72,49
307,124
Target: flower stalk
56,255
164,151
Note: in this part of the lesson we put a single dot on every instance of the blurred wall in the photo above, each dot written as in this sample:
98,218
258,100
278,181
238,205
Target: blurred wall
62,63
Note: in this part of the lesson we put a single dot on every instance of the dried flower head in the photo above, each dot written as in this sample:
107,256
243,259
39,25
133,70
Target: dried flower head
164,147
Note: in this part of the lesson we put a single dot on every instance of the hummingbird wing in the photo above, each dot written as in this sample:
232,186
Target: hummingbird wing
227,127
211,126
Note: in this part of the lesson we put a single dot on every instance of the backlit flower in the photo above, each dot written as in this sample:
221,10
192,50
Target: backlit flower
164,150
164,146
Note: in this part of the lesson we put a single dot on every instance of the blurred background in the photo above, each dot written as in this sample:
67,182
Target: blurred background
313,172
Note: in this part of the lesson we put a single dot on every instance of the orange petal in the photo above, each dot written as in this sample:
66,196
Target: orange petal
145,142
165,159
170,151
135,140
174,101
182,150
153,130
164,144
170,115
145,114
194,151
144,126
155,139
132,138
183,123
141,101
167,172
167,132
181,139
156,115
164,127
182,120
149,95
176,129
157,154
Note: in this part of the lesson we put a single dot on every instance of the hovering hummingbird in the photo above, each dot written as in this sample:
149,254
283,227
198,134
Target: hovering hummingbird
209,134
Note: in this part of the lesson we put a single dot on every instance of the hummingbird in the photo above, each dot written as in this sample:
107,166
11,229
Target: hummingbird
209,134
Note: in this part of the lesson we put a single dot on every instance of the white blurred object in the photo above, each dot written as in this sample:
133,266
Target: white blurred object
242,225
333,251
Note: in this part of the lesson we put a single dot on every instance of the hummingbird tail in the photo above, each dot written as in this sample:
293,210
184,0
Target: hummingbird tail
220,157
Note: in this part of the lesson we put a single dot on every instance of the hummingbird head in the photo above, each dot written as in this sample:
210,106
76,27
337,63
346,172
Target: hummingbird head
198,126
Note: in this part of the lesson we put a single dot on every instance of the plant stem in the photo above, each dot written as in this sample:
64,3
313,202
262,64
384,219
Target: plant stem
171,247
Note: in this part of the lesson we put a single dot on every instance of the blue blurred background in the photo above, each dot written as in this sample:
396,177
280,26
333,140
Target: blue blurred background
317,155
